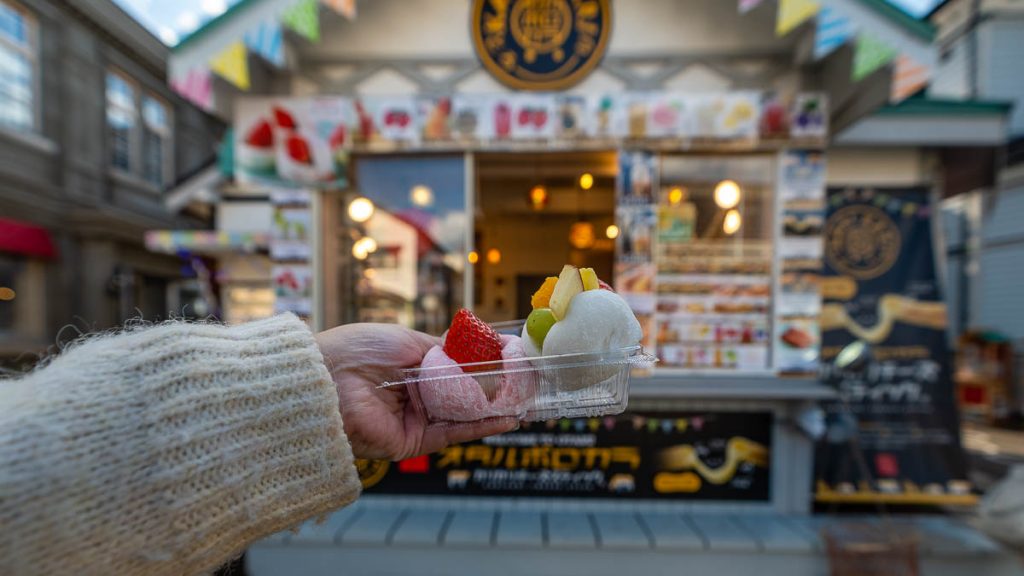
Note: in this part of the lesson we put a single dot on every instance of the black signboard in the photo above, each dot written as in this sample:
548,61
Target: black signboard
696,456
895,436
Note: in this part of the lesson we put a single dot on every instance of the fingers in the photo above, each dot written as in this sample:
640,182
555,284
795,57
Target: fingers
437,437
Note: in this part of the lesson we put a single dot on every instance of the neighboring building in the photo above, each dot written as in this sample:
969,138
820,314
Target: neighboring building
91,137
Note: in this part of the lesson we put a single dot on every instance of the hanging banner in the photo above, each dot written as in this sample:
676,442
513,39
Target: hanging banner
832,30
233,65
793,13
687,456
908,78
869,55
196,86
346,8
880,289
304,19
266,41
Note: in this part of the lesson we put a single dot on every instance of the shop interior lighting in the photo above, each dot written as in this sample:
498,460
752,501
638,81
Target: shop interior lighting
421,196
581,235
732,223
612,231
7,294
364,247
493,256
538,197
727,194
361,209
473,257
370,273
675,195
587,181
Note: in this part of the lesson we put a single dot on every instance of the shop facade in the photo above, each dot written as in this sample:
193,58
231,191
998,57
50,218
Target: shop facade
408,162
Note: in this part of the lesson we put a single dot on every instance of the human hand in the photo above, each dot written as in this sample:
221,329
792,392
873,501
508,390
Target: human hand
381,423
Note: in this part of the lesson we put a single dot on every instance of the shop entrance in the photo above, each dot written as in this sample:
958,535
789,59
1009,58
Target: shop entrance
535,212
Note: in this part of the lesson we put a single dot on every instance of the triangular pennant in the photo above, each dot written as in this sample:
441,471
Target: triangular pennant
908,78
748,5
197,87
869,55
793,13
832,30
347,8
304,19
232,65
265,40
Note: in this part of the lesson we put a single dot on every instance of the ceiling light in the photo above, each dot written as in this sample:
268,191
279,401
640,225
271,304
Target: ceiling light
360,209
727,194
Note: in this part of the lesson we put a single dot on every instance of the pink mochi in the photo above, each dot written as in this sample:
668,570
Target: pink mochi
461,399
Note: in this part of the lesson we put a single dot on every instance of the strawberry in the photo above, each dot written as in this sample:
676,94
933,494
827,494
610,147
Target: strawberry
601,284
298,149
338,137
284,118
469,339
261,135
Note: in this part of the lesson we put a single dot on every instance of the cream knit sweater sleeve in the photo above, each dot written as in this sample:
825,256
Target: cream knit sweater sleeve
168,450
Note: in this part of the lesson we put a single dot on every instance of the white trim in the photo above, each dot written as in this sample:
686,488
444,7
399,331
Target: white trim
938,130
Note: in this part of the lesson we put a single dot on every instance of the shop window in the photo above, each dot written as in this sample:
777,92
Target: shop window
139,142
414,273
714,251
18,67
22,304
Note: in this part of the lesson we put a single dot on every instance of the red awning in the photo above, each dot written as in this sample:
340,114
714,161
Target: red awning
26,239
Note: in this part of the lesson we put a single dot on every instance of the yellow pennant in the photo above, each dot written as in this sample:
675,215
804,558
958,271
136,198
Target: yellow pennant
793,13
232,65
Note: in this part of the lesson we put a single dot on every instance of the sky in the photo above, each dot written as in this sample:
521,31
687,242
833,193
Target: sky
172,20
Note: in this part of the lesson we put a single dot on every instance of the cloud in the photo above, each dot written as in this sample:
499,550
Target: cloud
213,7
187,21
168,36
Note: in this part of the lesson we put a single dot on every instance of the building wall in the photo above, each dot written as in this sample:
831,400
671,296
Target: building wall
1000,54
951,75
59,177
878,167
1002,257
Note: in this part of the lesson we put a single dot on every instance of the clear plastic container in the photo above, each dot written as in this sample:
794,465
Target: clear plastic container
530,389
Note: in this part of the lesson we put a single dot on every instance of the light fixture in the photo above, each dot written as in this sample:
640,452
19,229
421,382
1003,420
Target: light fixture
364,247
473,257
727,194
493,256
421,195
581,235
370,273
360,209
732,222
7,294
538,197
587,181
675,195
612,231
369,243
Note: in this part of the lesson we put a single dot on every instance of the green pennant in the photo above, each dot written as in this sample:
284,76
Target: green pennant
304,19
869,55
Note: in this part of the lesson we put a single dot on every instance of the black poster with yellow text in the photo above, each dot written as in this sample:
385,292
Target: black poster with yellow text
880,290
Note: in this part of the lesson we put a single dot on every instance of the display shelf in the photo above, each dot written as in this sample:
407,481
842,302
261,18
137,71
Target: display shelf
729,386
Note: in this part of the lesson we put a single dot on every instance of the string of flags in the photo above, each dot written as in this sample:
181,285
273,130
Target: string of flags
835,25
264,39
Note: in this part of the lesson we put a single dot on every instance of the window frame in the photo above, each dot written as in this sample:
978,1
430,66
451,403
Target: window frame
133,132
166,134
136,134
31,52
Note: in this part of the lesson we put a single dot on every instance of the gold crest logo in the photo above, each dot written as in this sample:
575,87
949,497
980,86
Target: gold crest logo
540,44
862,241
371,472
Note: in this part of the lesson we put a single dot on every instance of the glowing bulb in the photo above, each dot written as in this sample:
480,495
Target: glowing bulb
581,235
473,257
494,256
7,294
360,209
727,194
732,222
421,195
370,273
359,251
612,231
538,197
587,181
369,244
675,195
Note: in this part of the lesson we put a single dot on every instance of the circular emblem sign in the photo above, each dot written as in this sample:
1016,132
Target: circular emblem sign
540,44
862,241
371,471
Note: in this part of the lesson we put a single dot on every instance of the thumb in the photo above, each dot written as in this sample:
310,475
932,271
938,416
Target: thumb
437,437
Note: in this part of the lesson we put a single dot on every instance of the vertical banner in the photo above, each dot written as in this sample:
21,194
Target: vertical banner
635,270
881,290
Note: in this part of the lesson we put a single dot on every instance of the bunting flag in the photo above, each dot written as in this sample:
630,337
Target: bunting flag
304,19
748,5
347,8
832,31
869,55
232,65
266,40
197,87
793,13
908,78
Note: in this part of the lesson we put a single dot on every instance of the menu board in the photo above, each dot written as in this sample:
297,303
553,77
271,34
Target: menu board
684,456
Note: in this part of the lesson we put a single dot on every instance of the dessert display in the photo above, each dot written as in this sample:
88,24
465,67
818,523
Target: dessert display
548,371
